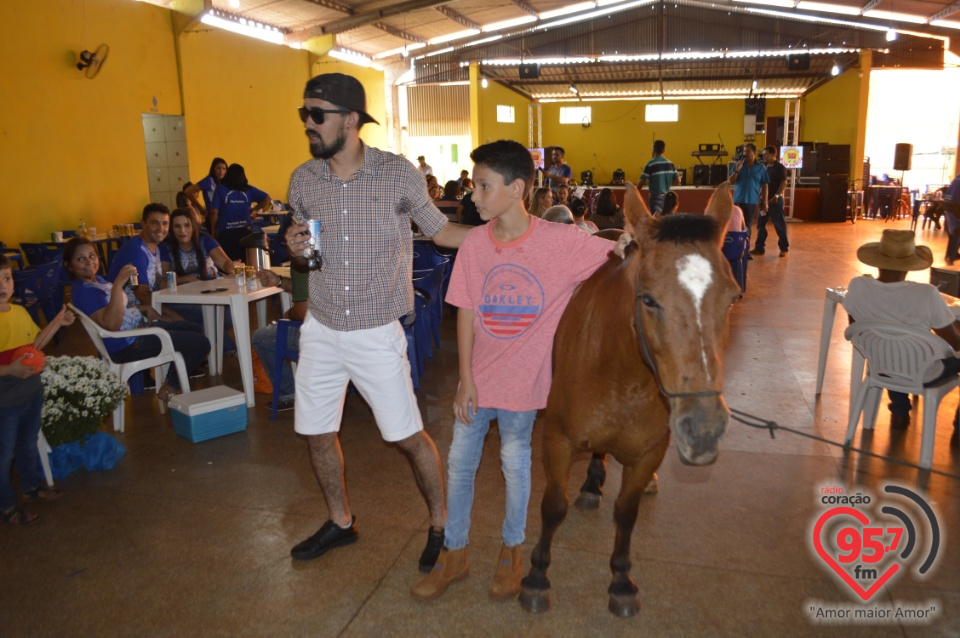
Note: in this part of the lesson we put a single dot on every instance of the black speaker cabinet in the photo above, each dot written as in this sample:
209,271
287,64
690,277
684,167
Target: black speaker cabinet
902,155
798,62
946,281
833,198
529,71
718,174
701,175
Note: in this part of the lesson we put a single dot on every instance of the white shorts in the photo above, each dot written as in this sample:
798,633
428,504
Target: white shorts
375,360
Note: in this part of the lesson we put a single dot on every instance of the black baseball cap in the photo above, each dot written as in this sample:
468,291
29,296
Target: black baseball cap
342,90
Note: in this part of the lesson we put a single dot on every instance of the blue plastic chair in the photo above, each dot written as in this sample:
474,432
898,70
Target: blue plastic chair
37,254
39,290
735,246
283,353
407,321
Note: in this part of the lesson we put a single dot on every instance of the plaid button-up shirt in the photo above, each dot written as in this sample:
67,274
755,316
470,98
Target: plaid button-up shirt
365,237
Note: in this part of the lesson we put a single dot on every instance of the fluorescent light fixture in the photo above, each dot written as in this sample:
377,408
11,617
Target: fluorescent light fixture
574,90
541,61
835,70
484,83
506,24
771,3
948,24
805,5
453,36
571,8
235,4
492,38
607,3
893,15
820,19
605,10
404,50
354,58
440,52
891,35
242,26
755,85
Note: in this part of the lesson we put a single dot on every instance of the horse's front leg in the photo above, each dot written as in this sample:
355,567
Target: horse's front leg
592,489
557,455
624,601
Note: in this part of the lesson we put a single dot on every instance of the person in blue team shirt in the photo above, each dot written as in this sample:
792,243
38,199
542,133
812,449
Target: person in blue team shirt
207,186
147,252
234,205
196,257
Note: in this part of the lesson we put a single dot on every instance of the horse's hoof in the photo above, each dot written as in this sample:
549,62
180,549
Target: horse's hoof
625,606
536,601
587,501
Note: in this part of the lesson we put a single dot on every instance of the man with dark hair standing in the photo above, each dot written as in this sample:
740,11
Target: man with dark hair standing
661,174
749,179
364,199
777,174
559,172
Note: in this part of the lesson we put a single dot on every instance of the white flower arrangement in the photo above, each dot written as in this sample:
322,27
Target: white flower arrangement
79,392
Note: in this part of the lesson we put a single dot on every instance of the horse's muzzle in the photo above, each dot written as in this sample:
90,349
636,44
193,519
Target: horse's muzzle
698,429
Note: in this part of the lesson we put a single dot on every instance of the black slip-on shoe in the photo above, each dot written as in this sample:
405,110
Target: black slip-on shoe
431,552
327,537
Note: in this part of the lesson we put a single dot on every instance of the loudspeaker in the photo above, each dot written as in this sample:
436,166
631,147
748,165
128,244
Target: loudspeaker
833,199
946,281
718,174
798,62
529,71
701,175
756,106
902,156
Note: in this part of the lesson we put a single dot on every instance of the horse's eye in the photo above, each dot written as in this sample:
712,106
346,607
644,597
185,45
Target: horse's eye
649,301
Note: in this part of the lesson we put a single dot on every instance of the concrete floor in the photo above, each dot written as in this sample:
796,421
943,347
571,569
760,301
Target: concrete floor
184,539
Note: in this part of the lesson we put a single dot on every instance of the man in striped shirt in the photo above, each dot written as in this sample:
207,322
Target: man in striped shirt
661,174
365,200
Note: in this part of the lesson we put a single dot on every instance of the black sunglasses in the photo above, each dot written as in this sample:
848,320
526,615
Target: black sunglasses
316,114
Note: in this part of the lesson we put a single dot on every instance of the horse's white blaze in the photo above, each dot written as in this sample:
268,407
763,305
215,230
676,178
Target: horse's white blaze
695,275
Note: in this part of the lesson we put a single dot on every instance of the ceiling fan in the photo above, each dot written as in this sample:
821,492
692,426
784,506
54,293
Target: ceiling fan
91,62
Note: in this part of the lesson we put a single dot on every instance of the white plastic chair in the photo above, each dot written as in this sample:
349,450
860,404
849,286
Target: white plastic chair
898,357
44,448
126,370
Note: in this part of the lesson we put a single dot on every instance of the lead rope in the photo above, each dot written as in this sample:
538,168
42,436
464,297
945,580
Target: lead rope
754,421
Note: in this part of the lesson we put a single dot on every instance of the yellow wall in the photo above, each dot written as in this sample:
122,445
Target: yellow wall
240,100
490,129
73,147
830,113
620,138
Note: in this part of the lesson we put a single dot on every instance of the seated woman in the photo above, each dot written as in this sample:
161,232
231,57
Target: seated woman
196,257
540,200
450,201
115,308
606,213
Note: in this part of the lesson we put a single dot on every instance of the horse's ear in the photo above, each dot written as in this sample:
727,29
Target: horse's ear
720,206
635,211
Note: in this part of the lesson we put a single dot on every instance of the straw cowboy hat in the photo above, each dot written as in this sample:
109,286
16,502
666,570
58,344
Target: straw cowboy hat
895,251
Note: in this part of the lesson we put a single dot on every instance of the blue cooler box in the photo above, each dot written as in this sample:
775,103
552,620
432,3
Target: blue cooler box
207,414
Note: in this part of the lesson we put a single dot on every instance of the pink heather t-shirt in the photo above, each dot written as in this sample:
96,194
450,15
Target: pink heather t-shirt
517,292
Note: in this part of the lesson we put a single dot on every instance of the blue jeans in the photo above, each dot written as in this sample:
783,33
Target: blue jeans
187,339
516,430
656,203
193,313
19,428
774,214
951,212
265,343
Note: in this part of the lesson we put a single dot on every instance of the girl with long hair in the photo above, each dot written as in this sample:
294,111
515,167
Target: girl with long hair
541,200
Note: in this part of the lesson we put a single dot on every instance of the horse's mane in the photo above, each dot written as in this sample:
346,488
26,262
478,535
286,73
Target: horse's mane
684,228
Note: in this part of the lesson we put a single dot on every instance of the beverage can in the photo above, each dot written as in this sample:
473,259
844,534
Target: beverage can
240,274
172,281
134,280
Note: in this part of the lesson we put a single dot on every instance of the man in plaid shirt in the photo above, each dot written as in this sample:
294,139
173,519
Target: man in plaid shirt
365,199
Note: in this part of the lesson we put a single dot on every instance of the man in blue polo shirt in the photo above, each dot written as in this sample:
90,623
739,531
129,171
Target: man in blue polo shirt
661,174
750,180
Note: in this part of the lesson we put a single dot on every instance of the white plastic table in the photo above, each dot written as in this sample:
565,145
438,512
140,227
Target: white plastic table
237,300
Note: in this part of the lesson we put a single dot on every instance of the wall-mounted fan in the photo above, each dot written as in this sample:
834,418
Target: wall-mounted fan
91,62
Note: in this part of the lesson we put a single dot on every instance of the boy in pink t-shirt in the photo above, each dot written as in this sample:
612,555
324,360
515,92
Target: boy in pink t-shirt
511,282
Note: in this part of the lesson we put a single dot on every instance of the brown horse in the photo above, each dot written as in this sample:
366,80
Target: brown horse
648,333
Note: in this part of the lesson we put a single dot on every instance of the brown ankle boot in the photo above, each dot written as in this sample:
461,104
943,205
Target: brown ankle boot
506,582
452,566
